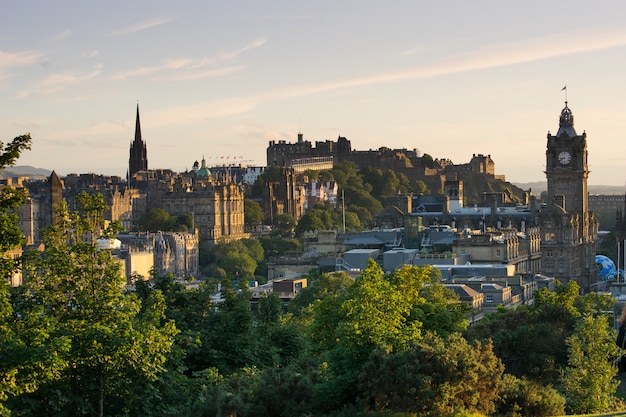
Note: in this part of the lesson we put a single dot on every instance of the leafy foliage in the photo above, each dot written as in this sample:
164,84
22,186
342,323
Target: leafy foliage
527,398
103,347
376,312
74,342
158,219
253,214
589,377
436,377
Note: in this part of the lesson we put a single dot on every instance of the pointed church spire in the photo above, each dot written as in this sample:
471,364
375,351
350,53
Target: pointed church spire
137,127
138,153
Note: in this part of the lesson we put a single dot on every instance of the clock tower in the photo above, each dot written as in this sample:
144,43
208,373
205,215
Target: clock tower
569,230
566,164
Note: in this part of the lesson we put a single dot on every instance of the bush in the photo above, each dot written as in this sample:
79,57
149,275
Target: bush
524,398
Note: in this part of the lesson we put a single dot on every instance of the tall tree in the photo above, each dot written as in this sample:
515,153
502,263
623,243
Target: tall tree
24,359
589,379
253,214
377,312
438,376
112,348
11,198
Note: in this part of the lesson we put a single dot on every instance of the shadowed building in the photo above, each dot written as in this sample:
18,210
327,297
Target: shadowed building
138,153
569,231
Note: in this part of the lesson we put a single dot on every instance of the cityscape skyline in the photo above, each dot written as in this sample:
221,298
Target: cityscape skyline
221,80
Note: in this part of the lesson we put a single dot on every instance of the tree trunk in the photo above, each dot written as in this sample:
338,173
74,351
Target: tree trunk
100,391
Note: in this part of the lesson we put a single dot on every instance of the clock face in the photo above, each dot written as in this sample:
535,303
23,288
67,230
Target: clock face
565,158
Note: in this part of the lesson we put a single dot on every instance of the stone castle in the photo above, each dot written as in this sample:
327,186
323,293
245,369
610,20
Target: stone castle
563,224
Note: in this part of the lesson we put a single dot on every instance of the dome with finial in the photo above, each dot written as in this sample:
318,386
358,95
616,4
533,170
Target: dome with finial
203,171
566,123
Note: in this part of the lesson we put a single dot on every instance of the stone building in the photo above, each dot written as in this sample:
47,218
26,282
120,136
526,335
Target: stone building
216,205
569,231
284,154
138,160
177,253
502,246
285,196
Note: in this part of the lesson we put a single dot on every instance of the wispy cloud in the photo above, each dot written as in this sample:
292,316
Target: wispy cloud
414,51
497,55
15,59
10,59
201,112
187,68
91,54
200,75
227,56
60,36
143,71
58,82
138,27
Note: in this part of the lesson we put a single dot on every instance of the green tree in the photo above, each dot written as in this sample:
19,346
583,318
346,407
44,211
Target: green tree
10,199
318,288
343,171
272,174
284,224
113,348
155,220
438,377
253,214
311,221
239,259
376,312
442,312
254,248
27,348
521,397
183,223
160,220
420,187
285,391
276,246
228,342
589,379
428,161
530,342
238,266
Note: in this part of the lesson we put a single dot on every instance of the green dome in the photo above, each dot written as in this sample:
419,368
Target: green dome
203,171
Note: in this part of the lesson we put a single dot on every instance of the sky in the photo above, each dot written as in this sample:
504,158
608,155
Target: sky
220,79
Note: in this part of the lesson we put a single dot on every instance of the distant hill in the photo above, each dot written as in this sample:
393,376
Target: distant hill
25,171
538,187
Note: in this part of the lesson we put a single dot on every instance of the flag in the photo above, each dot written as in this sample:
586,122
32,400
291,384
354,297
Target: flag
564,88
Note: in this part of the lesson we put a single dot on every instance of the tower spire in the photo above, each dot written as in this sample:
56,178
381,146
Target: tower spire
138,153
137,127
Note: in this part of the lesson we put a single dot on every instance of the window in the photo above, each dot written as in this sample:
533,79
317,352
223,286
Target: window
498,253
489,298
